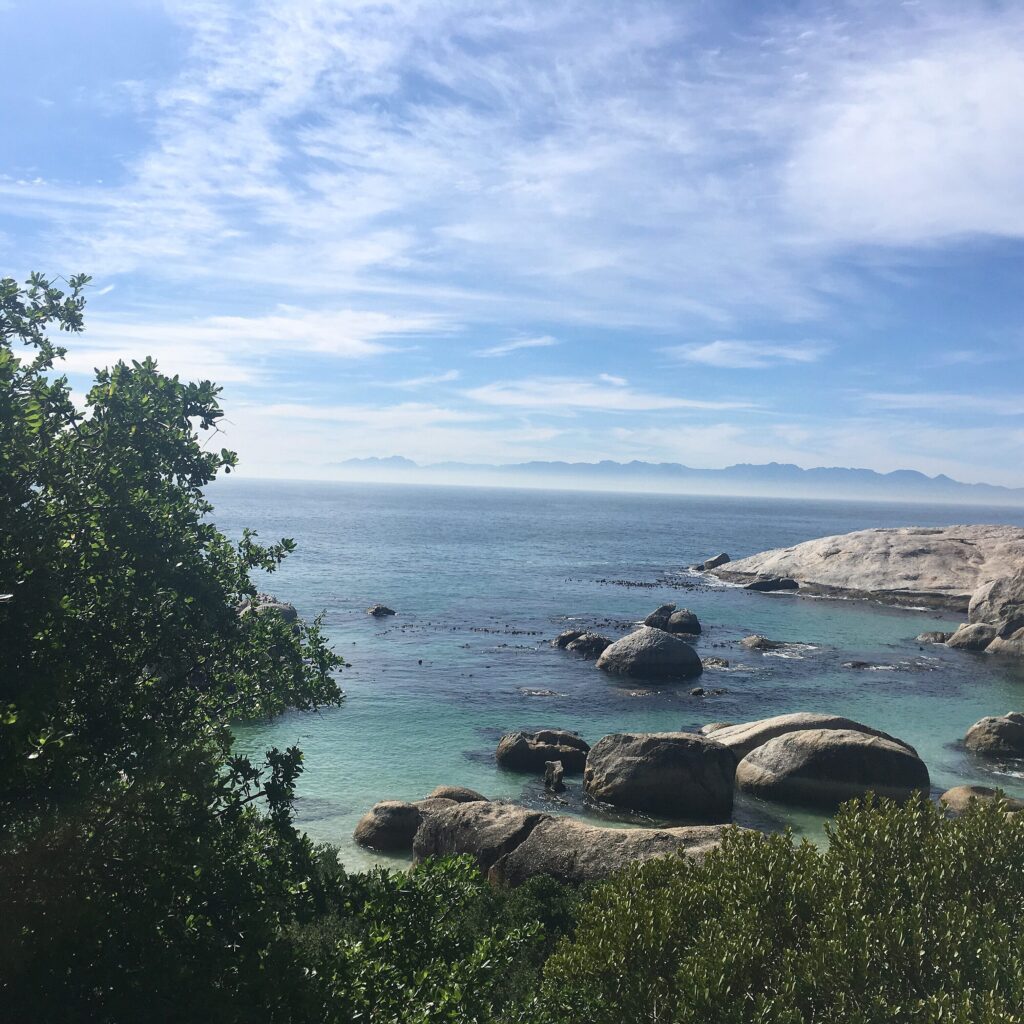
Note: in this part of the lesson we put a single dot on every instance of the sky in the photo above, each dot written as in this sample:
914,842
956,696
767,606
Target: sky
699,232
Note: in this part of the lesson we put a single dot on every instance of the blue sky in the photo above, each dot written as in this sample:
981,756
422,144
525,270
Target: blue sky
703,232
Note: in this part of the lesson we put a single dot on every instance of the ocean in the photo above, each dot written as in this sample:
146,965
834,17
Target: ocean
483,578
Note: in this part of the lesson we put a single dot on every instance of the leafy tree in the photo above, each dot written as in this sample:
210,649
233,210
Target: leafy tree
906,917
139,875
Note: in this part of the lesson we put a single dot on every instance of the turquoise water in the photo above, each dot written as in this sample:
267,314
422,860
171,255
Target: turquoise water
483,578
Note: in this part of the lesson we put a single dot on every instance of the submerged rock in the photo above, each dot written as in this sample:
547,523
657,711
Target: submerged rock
674,774
997,736
760,643
572,851
380,611
715,662
741,739
975,636
959,798
530,751
825,767
651,653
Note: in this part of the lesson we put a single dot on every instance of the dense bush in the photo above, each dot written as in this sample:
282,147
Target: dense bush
905,917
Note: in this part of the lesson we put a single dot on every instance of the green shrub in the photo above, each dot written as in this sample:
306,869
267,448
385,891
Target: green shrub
905,917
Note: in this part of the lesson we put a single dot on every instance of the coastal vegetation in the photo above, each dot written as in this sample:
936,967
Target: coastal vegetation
150,872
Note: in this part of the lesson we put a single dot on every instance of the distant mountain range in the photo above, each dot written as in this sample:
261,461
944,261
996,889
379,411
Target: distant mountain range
773,479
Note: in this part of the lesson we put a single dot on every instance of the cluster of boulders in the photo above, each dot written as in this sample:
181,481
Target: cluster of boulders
511,843
674,620
995,618
712,563
532,751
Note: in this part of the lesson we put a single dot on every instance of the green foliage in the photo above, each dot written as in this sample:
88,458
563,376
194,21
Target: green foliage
139,856
420,948
906,917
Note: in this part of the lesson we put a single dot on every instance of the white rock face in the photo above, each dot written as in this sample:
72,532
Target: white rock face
940,565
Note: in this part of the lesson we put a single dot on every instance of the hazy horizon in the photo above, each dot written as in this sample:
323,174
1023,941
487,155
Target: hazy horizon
705,234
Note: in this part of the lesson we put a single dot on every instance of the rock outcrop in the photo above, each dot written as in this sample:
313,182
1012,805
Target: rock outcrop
972,636
959,798
266,604
997,736
390,825
589,645
825,767
1012,645
486,831
932,637
567,636
672,774
935,566
741,739
380,611
712,563
658,619
460,794
530,751
760,643
767,584
1000,603
674,620
573,851
651,653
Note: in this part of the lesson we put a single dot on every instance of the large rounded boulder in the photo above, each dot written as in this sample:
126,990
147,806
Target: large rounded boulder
1000,603
572,851
997,736
744,737
1012,645
959,798
670,774
530,751
589,645
972,636
651,653
660,616
825,767
683,621
390,825
484,830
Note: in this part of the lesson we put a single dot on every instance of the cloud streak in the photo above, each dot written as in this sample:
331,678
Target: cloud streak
737,355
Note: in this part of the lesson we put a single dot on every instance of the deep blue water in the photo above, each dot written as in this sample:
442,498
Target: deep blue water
483,578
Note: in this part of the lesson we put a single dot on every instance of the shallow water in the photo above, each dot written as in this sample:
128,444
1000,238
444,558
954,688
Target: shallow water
483,578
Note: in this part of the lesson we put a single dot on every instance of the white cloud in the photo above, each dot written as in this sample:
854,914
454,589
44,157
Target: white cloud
919,145
414,383
507,347
566,394
619,382
406,416
240,348
746,354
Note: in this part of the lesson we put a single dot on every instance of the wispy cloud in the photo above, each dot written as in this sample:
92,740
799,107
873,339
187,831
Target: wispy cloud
414,383
566,394
241,348
746,354
997,405
508,347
